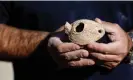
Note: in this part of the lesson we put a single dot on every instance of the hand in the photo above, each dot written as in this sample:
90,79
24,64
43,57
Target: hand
115,51
67,54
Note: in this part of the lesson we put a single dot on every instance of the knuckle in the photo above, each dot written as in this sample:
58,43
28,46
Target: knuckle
60,48
65,47
100,47
65,56
113,65
100,57
116,25
76,64
72,63
103,56
74,47
91,46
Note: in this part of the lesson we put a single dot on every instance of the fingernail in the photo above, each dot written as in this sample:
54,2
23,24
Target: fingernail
86,53
77,47
91,62
98,20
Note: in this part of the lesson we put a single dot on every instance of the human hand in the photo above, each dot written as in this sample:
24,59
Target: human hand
67,54
114,52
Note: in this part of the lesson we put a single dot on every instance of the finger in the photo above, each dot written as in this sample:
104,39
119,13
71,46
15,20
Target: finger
66,47
54,41
106,57
109,27
98,20
102,47
82,62
75,54
110,65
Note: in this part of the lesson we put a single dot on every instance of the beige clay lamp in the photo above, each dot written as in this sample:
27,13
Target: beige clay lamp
84,31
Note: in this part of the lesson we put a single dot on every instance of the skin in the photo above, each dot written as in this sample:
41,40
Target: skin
72,55
20,43
114,52
67,53
16,43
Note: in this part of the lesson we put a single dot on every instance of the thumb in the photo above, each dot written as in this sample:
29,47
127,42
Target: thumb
102,47
109,27
54,41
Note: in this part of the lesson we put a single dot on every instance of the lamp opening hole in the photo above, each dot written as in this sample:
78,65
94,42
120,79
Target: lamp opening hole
80,27
100,31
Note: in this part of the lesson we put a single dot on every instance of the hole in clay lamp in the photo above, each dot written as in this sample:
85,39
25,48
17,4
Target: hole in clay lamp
100,31
80,27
